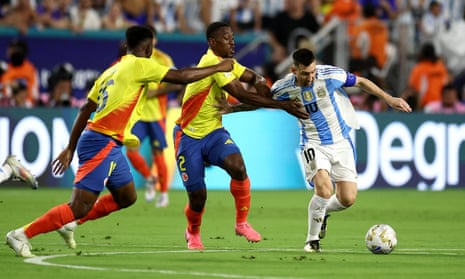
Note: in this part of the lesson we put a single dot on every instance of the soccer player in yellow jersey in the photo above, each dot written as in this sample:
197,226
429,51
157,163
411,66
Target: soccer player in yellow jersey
116,100
152,125
201,138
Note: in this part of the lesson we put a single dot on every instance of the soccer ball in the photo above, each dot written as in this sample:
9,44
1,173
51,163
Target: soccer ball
381,239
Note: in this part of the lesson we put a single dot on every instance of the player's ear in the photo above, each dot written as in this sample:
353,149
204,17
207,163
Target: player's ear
211,42
293,69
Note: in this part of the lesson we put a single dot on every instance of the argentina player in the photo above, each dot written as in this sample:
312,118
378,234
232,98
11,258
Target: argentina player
327,152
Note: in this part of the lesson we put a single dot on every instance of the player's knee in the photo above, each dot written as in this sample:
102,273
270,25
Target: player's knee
127,201
347,201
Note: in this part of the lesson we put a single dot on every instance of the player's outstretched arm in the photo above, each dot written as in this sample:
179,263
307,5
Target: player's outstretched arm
187,75
236,89
394,102
61,163
257,81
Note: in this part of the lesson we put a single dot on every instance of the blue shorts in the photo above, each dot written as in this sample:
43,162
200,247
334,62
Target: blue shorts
101,163
192,154
154,130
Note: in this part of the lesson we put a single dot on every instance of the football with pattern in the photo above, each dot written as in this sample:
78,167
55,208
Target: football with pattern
381,239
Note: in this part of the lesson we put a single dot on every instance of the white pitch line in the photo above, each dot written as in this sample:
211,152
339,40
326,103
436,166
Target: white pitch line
42,260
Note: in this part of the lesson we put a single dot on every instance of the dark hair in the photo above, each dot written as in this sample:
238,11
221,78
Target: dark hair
151,27
213,27
59,73
135,35
303,56
369,10
19,45
428,52
448,87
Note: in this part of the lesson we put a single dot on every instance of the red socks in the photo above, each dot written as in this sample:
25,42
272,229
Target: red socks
138,162
102,207
52,220
194,219
162,170
240,189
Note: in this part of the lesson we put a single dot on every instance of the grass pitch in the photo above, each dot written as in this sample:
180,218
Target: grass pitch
148,242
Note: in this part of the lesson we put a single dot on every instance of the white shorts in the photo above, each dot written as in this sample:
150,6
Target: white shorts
338,159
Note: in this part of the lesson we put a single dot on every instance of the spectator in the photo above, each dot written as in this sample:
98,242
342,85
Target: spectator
459,83
115,19
245,16
346,10
427,78
169,16
270,8
451,46
84,17
433,23
19,67
385,9
18,94
289,29
368,44
21,16
50,15
138,11
101,6
60,89
3,98
366,102
192,12
448,104
215,10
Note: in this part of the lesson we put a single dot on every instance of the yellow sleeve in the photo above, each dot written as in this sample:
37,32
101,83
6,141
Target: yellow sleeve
151,71
224,78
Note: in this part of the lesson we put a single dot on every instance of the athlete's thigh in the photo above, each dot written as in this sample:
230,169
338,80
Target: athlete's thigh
119,173
190,162
217,146
314,158
344,168
157,135
97,155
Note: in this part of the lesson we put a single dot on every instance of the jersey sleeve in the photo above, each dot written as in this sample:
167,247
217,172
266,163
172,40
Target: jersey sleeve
223,78
281,89
338,76
151,71
93,93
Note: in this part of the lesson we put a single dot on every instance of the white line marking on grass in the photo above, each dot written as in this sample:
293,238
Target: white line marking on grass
42,260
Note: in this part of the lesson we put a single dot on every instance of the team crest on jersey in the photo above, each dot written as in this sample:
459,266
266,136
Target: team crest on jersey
320,92
185,177
227,74
307,95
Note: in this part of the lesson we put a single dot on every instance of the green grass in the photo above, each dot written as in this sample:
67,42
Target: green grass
146,242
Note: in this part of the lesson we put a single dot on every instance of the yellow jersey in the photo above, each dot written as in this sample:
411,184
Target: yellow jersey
199,116
155,108
120,96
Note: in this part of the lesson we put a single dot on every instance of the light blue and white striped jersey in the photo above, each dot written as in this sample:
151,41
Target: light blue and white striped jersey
332,115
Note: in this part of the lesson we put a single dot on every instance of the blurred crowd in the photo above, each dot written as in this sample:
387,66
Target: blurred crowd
436,31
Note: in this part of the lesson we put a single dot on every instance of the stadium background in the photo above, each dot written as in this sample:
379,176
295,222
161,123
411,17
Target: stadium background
394,150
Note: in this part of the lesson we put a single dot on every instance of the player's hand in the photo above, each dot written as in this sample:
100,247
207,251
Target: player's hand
399,104
226,65
61,163
223,106
295,108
